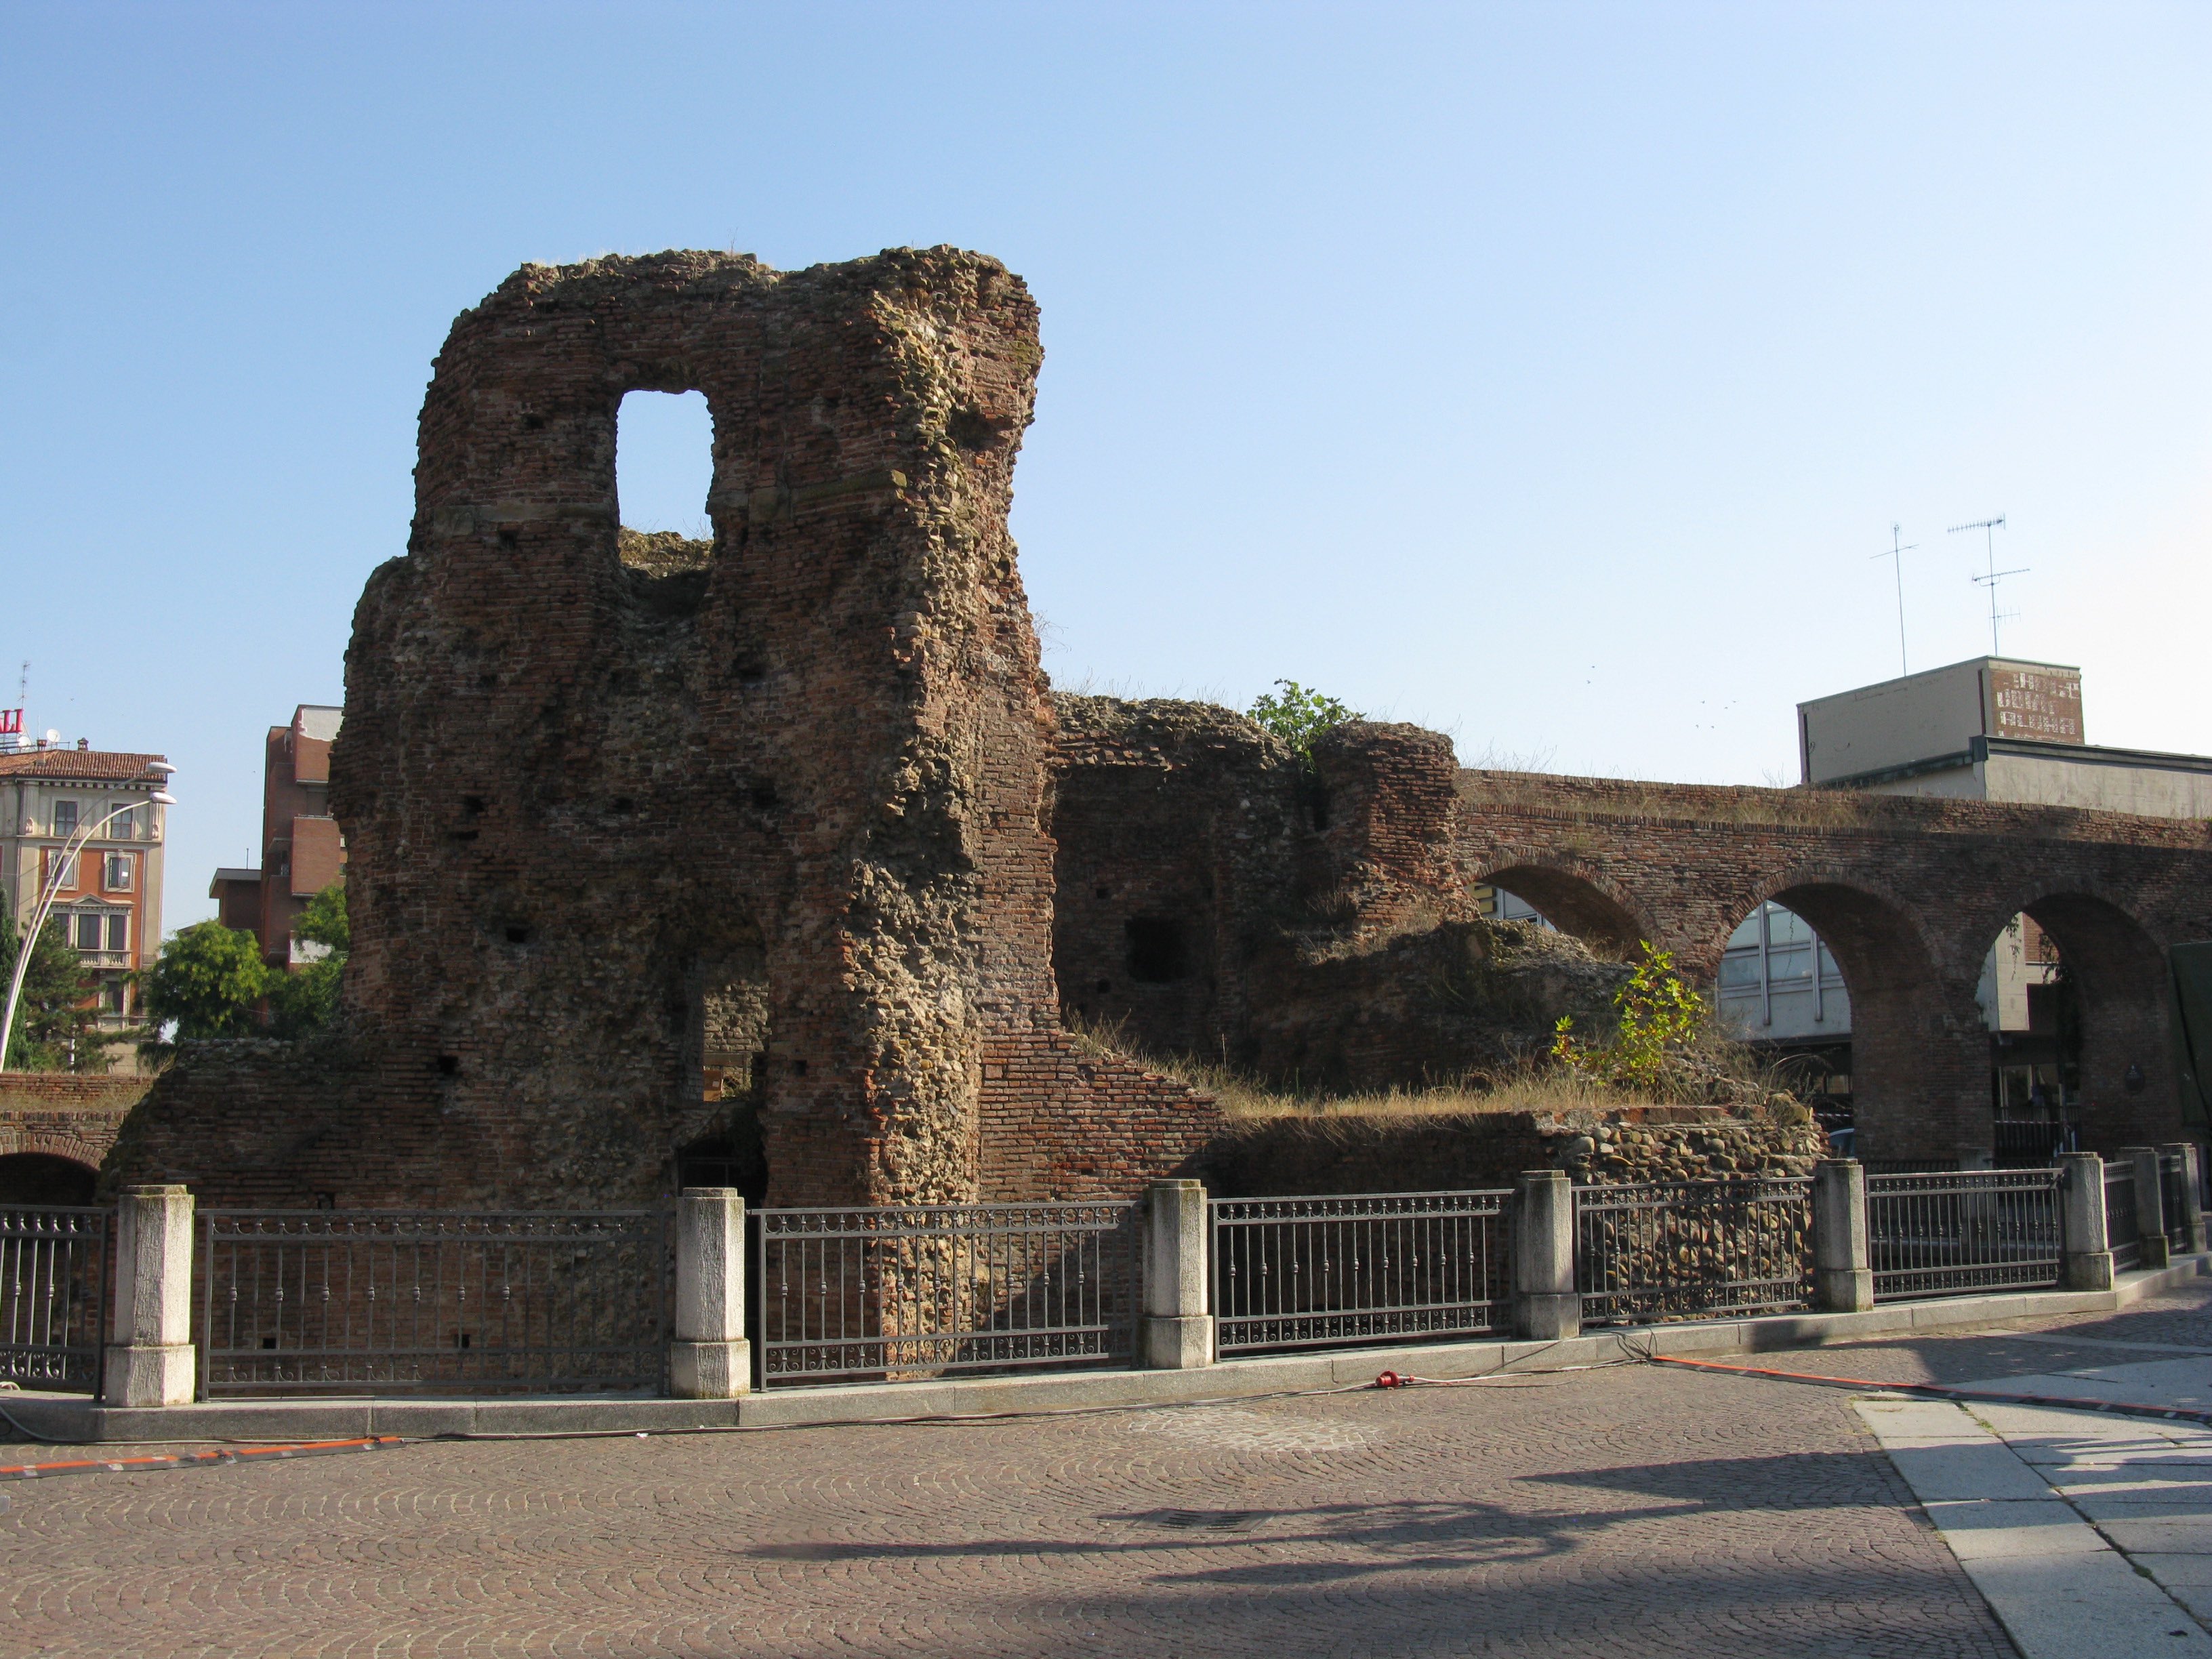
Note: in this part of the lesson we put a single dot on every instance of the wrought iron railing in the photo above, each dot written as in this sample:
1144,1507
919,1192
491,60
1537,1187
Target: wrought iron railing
376,1301
1662,1249
2174,1189
1973,1230
920,1290
2123,1222
53,1296
2026,1143
1304,1271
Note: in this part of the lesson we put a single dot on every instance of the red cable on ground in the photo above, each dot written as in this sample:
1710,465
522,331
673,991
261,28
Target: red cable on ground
193,1459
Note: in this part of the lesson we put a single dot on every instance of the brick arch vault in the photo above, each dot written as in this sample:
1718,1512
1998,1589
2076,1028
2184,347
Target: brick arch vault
1909,893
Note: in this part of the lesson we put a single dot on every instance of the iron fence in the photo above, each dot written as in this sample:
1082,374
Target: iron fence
2024,1144
2174,1189
1306,1272
2123,1222
920,1290
53,1297
1658,1249
1944,1235
375,1301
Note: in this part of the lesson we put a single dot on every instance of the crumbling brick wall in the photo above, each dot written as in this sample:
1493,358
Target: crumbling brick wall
1342,953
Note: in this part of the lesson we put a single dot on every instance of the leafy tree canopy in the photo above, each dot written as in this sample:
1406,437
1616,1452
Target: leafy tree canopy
55,1020
304,1000
324,921
1297,715
209,980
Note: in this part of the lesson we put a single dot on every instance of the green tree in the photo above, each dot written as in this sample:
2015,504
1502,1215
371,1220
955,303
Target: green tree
56,1021
1661,1019
209,980
1298,715
304,1000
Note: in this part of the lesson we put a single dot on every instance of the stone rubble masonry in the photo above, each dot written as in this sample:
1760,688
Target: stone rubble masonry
1285,1157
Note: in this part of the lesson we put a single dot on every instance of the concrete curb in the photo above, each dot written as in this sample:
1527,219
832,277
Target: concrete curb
77,1419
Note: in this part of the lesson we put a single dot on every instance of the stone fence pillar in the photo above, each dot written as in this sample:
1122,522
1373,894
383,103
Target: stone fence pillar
150,1359
2085,1262
710,1357
2150,1204
1178,1331
2192,1219
1843,1273
1547,1308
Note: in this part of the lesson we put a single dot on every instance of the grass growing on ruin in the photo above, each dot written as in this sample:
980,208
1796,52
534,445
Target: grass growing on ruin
1529,1086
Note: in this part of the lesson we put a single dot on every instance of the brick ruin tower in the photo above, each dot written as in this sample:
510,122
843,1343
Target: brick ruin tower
643,854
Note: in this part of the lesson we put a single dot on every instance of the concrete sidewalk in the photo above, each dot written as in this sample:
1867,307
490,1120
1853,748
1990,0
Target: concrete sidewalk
2088,1535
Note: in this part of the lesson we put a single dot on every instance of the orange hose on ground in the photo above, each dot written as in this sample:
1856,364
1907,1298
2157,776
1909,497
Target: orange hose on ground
193,1460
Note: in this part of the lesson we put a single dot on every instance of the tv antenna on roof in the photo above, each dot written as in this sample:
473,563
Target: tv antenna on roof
1897,553
1989,527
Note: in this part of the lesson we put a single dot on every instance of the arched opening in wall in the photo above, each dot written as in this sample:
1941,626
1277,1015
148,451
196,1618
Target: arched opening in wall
663,472
728,1060
1571,903
44,1178
1890,1063
2073,994
1780,991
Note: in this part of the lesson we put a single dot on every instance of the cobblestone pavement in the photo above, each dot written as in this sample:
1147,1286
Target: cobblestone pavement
1624,1511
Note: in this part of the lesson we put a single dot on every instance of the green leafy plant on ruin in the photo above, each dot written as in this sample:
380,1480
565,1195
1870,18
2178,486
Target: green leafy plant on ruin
1298,715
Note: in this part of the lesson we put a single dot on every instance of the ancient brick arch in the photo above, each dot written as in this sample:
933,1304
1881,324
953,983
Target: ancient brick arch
2118,973
1579,900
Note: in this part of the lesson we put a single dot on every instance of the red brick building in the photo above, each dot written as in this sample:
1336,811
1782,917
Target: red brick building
301,852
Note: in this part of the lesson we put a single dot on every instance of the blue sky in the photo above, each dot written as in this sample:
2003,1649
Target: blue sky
1550,374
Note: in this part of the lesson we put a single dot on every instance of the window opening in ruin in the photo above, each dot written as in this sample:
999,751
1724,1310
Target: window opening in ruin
665,463
1158,955
736,1158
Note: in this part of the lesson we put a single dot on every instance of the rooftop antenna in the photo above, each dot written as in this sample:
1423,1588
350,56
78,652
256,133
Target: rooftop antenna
1989,527
1897,553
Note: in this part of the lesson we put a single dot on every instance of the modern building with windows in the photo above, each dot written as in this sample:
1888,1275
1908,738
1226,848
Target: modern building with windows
301,851
108,899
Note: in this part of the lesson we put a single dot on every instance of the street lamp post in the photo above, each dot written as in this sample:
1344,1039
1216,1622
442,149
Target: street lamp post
75,845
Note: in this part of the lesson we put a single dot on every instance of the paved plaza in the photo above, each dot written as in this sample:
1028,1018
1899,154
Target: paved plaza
1630,1511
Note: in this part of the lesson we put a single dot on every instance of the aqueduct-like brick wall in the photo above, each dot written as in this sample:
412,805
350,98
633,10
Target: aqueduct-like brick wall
1317,908
794,837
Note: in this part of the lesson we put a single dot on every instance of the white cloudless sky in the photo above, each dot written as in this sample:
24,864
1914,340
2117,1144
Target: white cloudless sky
1551,374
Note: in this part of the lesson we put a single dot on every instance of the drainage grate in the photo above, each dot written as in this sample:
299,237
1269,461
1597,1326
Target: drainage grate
1210,1520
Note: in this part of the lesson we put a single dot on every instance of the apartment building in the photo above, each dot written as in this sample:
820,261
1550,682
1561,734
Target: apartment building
301,852
86,817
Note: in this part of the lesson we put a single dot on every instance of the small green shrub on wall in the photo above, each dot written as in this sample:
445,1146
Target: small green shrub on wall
1661,1021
